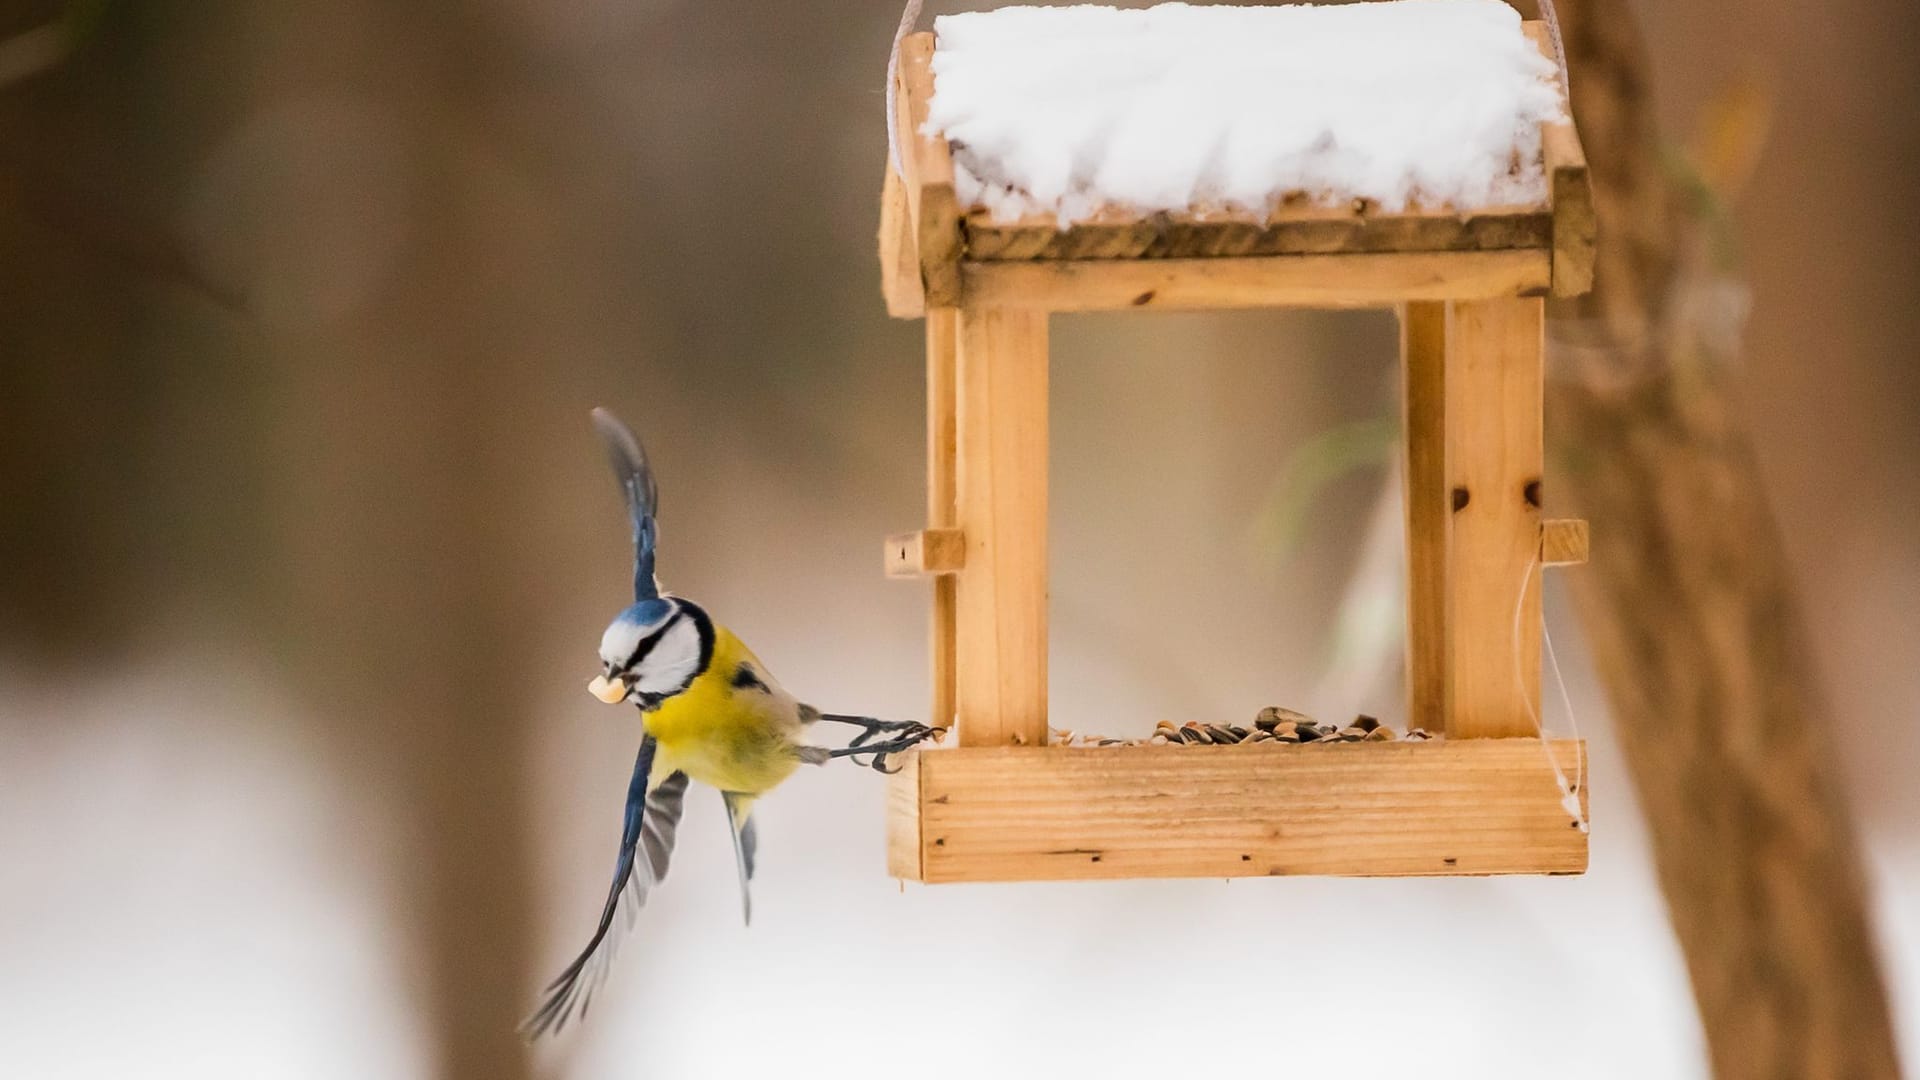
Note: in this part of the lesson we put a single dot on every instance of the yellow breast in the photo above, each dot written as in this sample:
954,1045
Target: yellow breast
733,737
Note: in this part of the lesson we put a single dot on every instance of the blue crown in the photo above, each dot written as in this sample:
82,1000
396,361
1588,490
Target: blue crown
650,612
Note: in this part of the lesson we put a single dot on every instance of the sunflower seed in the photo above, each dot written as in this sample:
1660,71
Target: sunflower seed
1274,714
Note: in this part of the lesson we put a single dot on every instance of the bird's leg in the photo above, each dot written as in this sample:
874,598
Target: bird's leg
872,725
906,734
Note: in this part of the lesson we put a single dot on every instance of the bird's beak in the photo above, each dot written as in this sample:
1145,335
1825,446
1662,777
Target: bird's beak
611,691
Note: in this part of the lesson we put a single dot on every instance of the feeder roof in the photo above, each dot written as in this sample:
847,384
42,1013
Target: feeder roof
1073,110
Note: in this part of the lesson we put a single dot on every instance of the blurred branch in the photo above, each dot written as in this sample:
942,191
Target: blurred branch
1308,471
30,52
1688,602
88,219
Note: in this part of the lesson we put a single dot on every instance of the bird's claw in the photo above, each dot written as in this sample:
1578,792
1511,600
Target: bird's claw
906,735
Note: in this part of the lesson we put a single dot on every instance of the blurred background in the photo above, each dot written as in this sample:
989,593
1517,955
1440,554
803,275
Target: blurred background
306,545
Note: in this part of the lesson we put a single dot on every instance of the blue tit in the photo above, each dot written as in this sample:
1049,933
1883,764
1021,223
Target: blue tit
710,711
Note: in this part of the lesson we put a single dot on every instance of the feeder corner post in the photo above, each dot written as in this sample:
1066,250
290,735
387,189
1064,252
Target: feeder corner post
1000,597
1494,360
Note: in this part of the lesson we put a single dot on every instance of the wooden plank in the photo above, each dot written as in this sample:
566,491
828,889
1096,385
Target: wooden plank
1292,228
1569,192
899,259
935,208
1423,334
1281,280
1575,225
1356,809
1001,596
1493,466
942,345
925,552
1563,542
903,820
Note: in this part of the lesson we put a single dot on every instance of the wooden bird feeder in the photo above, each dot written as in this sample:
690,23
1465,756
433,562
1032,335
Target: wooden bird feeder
997,803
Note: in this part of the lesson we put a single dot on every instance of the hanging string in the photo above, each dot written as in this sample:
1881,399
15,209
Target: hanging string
908,19
1569,799
1552,18
1569,790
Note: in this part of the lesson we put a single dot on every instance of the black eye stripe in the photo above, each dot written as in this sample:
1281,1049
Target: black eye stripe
647,643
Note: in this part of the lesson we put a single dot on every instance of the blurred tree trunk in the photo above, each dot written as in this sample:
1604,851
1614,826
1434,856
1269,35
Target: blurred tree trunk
398,371
1691,614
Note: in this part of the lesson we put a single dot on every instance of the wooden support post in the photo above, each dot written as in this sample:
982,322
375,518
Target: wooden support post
1493,462
1001,594
942,330
1423,339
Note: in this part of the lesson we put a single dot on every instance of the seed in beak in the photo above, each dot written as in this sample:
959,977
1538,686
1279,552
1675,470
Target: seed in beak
611,691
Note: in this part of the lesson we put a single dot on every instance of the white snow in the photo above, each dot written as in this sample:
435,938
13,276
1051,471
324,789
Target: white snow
1070,109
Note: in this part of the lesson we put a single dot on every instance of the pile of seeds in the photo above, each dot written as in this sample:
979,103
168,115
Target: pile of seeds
1274,724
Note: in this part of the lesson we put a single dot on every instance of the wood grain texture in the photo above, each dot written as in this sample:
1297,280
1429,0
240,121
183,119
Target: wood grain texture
1563,542
1423,340
1001,596
1569,192
1365,809
935,208
899,259
1380,280
1573,220
903,806
1293,228
943,329
924,552
1493,466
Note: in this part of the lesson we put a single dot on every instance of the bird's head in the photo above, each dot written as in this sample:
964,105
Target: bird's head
652,650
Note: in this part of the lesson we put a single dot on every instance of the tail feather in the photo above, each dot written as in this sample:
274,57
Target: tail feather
746,842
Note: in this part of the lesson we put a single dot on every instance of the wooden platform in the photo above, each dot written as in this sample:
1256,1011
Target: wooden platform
1467,806
940,253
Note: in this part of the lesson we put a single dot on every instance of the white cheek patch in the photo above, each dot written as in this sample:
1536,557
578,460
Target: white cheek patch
618,643
674,661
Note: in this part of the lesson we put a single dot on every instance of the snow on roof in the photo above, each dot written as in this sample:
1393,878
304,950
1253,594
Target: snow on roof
1066,110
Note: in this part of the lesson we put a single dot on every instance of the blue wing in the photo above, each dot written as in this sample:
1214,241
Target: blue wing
643,496
646,836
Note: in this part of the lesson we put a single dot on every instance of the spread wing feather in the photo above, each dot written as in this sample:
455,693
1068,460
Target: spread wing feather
646,843
630,467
